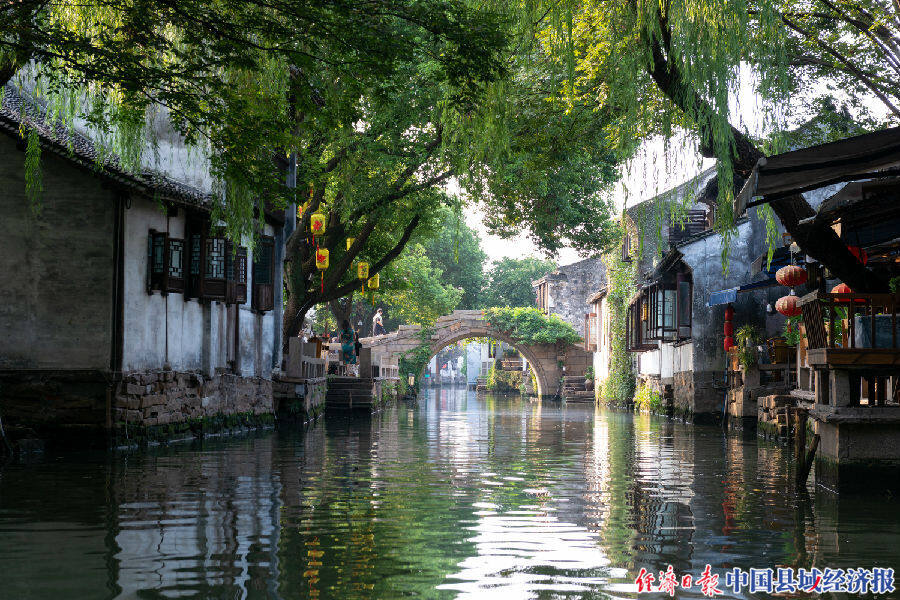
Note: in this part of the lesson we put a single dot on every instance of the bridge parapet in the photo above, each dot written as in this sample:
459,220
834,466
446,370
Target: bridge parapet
545,359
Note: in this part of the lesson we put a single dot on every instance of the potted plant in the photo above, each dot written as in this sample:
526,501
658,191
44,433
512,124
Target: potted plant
748,337
589,378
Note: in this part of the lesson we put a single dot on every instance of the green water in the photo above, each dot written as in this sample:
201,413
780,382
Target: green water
461,496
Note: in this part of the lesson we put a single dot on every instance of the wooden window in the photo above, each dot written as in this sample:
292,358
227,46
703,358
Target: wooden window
156,260
264,274
165,263
214,252
626,248
235,274
661,312
683,304
175,257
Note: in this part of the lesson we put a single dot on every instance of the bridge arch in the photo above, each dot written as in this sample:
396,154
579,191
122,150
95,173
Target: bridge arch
544,359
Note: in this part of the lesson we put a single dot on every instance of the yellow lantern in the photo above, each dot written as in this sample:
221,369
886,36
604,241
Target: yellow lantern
362,270
322,259
350,242
317,223
373,282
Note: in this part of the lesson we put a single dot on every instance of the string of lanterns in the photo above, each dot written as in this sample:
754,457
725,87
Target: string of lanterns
317,227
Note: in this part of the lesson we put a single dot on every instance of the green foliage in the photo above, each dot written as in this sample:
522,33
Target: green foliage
499,380
531,326
618,388
491,382
894,285
747,338
419,295
413,361
647,400
792,330
456,250
589,373
509,281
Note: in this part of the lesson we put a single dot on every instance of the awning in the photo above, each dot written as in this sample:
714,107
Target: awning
860,157
730,295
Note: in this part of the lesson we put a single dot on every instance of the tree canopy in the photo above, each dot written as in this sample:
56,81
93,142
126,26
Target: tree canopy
662,67
509,281
456,251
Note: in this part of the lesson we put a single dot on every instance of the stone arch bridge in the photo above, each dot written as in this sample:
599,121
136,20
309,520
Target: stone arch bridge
545,359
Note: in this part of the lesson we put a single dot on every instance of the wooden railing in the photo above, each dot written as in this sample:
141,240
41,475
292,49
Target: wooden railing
851,321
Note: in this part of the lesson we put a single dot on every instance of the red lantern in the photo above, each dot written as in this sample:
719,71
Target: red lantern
729,343
841,288
729,329
787,305
729,313
791,275
859,253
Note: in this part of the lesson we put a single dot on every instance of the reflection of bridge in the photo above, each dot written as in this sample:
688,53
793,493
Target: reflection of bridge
545,359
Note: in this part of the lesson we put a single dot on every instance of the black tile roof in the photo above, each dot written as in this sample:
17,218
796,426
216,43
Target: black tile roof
80,150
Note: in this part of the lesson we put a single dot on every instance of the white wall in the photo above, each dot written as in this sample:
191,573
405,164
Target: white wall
186,335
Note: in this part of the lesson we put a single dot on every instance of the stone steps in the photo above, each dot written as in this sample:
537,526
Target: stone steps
349,393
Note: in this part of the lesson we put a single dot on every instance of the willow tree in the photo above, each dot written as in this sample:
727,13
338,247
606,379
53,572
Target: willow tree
232,78
670,65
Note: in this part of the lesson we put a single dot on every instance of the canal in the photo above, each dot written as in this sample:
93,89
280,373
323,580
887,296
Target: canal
460,496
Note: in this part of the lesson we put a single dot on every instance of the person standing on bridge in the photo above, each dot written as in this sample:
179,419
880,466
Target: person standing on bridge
378,324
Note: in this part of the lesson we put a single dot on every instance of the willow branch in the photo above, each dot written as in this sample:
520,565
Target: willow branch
850,66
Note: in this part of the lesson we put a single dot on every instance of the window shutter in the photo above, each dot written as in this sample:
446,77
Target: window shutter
264,274
157,261
195,260
214,283
236,274
175,257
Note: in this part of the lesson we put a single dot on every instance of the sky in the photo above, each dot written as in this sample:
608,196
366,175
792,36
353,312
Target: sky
651,171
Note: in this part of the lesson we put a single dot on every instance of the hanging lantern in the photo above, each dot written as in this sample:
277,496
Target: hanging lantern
350,242
729,313
843,288
373,282
729,343
317,224
322,259
362,270
787,305
729,329
791,276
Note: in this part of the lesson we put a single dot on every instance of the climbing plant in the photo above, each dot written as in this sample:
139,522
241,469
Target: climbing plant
618,387
531,326
413,361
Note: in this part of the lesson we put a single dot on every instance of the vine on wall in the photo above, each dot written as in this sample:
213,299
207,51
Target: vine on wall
618,388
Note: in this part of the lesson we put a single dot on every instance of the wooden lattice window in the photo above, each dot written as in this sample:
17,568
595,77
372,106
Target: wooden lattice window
264,274
175,257
156,261
165,263
214,283
236,274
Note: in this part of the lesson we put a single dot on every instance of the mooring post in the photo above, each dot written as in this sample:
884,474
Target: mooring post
799,434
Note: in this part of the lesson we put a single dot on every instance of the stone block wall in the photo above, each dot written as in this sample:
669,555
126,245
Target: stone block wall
165,397
699,395
569,288
300,400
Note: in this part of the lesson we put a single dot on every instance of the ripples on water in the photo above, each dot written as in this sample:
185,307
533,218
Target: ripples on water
458,497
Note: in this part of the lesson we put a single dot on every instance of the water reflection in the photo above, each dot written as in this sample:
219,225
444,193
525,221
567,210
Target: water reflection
457,497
